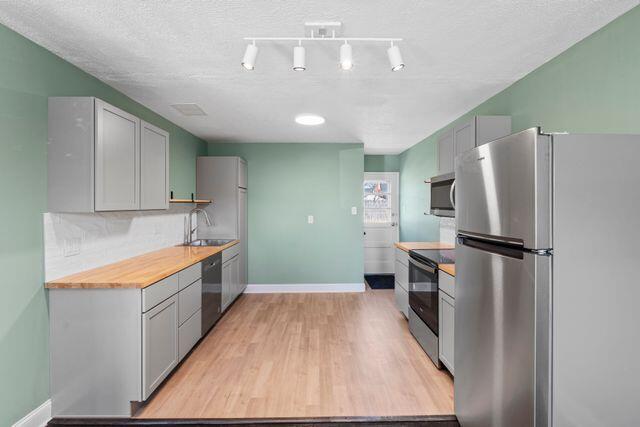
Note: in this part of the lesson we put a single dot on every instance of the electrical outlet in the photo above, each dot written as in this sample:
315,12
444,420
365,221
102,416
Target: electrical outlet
354,210
72,246
310,219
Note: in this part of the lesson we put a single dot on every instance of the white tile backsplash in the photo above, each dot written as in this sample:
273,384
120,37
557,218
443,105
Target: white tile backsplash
448,230
77,242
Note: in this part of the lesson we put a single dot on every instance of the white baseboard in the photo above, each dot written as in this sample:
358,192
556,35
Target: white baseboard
304,288
39,417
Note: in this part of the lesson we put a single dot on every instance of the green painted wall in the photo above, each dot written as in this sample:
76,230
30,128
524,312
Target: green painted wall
287,182
594,86
381,163
28,75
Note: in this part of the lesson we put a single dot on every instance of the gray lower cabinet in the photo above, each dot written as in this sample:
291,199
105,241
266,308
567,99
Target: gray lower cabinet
232,285
446,316
189,333
401,288
159,344
243,233
226,285
111,347
446,320
113,162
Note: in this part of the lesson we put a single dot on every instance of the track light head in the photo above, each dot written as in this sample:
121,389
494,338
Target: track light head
299,58
395,59
346,57
249,59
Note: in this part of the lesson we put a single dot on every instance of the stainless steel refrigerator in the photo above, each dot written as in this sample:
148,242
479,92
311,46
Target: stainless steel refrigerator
546,324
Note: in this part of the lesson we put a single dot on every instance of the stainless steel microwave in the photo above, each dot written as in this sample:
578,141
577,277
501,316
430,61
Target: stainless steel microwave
443,188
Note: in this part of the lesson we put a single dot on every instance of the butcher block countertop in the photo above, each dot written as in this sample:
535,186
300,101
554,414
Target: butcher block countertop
448,268
140,271
409,246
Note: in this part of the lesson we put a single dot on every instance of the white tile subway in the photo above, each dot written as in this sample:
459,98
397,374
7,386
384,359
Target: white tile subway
77,242
448,230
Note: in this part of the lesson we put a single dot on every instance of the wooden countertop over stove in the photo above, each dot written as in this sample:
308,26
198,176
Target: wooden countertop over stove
140,271
408,246
448,268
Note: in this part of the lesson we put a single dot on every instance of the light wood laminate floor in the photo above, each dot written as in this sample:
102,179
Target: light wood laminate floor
306,355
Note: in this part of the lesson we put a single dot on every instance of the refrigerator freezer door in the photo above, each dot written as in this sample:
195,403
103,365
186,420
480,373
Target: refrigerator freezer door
501,338
503,190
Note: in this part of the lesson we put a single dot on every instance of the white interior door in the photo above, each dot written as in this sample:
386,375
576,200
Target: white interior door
380,192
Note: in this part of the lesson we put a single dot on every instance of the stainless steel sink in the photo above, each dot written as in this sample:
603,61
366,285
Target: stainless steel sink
209,242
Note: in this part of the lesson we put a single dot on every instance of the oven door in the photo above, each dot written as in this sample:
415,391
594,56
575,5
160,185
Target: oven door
443,195
423,292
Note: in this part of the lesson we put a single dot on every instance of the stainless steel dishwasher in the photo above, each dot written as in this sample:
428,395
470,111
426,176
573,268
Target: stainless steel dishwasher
211,291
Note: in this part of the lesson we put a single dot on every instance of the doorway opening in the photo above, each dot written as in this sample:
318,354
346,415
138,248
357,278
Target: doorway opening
381,227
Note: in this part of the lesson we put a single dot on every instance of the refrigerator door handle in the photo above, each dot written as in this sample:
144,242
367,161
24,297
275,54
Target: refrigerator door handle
451,198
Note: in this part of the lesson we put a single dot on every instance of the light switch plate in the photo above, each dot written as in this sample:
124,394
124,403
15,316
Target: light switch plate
354,210
310,219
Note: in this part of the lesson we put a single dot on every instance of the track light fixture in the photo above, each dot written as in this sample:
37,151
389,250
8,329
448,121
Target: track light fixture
346,56
395,59
249,59
299,58
323,32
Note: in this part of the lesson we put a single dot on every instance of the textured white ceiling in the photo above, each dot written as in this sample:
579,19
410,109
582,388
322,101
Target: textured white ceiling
458,53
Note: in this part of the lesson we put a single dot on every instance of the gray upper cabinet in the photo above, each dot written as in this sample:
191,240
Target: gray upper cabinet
476,131
242,173
464,137
445,152
101,158
154,167
117,161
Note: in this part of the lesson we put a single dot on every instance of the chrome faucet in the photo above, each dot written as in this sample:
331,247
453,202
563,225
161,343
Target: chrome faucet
191,230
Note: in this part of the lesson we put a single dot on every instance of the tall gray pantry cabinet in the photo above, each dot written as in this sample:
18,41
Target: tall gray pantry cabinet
224,180
101,158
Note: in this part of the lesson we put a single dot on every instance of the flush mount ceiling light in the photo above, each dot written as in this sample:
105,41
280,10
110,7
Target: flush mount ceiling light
323,32
309,119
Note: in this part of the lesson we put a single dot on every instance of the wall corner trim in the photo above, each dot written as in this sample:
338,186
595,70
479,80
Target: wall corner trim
304,288
39,417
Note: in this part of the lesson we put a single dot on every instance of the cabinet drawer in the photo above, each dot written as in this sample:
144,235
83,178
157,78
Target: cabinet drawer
402,275
190,275
229,253
402,300
190,300
446,283
158,292
402,257
446,333
189,334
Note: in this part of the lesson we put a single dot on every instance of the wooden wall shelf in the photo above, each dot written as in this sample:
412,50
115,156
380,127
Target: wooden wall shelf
198,201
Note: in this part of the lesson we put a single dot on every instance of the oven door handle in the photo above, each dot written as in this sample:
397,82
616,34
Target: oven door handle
422,266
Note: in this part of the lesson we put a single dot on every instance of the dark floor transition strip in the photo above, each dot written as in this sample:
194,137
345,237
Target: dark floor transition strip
410,421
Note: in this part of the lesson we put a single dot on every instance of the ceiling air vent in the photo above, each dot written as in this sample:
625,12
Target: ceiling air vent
189,109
